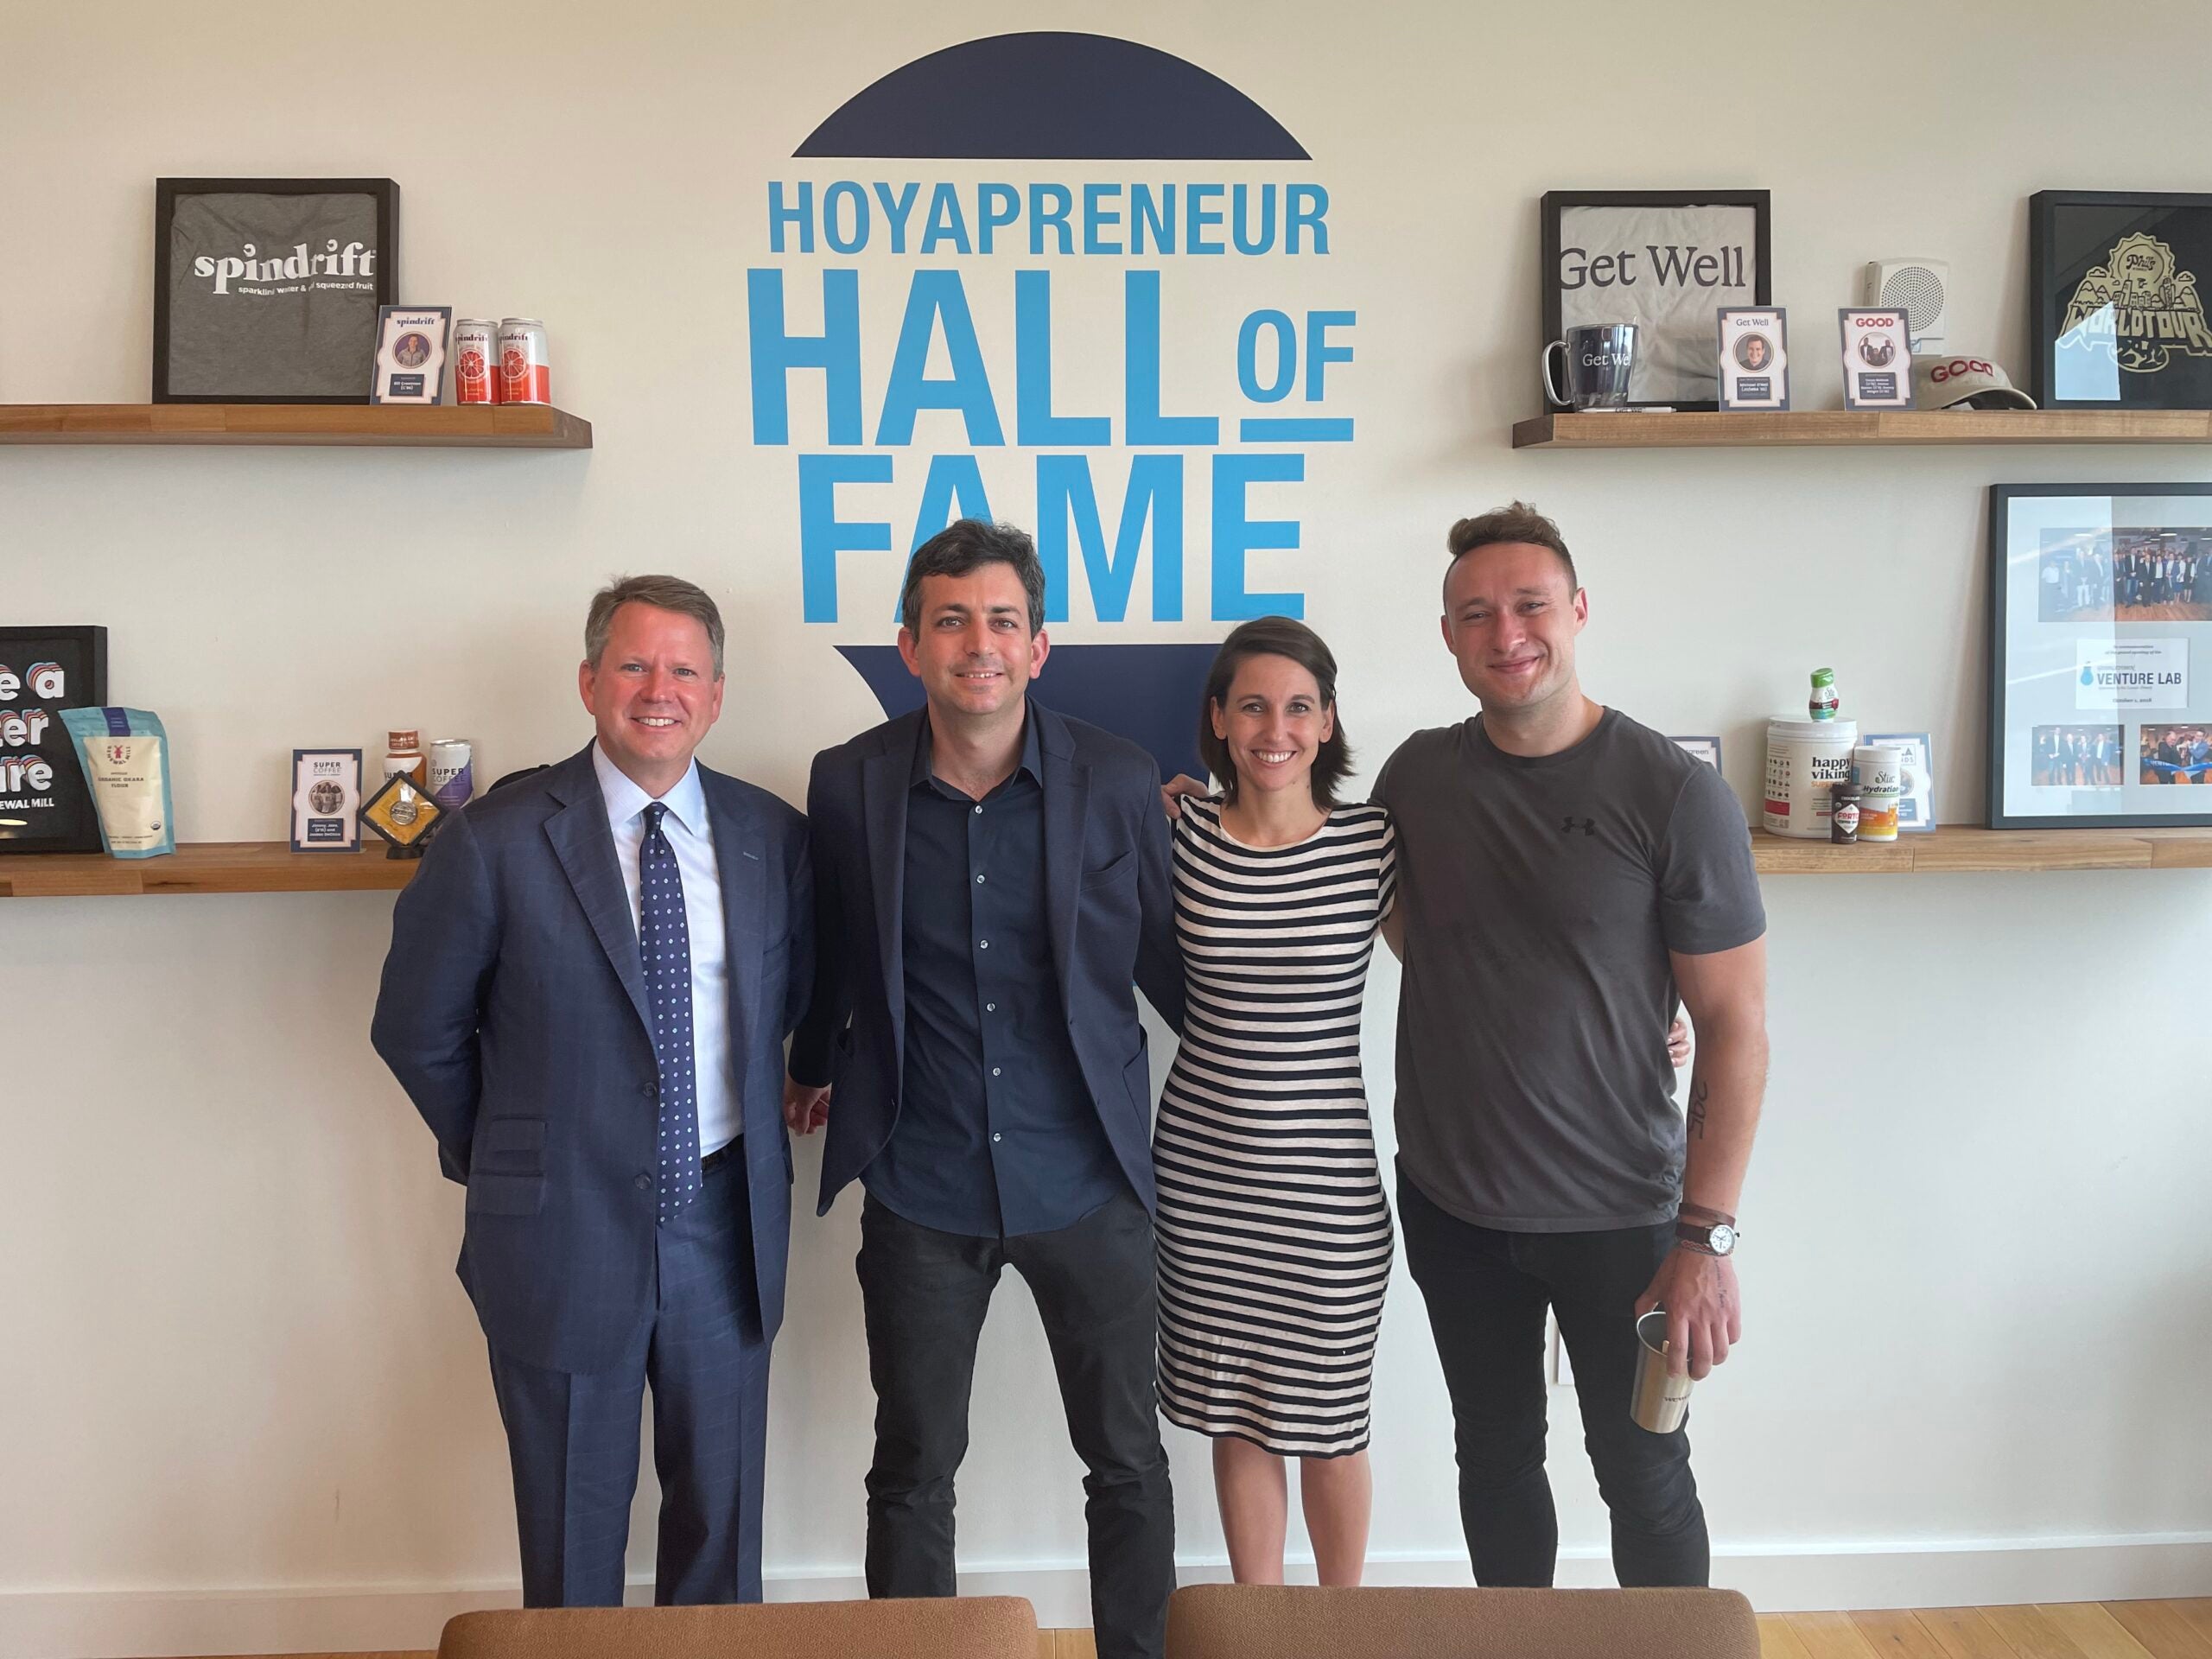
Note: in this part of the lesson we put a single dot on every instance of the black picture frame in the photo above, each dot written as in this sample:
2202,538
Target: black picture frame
384,193
2002,756
1554,202
2068,232
71,824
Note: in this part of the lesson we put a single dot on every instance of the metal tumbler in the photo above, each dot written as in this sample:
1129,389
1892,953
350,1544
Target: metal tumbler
1660,1400
1598,363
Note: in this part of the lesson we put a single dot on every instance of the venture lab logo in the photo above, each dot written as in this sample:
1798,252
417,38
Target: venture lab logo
2131,674
2137,308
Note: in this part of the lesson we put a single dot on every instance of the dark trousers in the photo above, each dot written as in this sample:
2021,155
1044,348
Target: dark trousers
1486,1293
925,1293
573,1437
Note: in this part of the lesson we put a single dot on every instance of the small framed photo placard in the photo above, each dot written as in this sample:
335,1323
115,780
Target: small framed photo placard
1754,357
410,360
1917,803
325,801
1877,360
1707,749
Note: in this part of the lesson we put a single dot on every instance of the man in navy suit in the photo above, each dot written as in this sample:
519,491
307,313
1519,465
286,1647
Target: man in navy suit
991,878
589,987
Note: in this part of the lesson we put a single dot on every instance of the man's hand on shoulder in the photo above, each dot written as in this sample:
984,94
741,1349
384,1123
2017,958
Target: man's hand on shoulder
806,1107
1705,1310
1171,793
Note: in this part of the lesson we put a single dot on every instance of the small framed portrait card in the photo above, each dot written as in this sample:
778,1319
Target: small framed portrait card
1877,360
1707,749
1754,359
411,342
1916,802
326,800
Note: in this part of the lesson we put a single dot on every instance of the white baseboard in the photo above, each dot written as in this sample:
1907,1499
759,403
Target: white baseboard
159,1624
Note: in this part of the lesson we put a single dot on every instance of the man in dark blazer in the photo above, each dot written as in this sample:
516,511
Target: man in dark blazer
991,878
589,987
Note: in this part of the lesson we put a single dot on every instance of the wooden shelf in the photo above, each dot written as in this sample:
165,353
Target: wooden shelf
1754,430
270,867
204,866
1957,849
483,426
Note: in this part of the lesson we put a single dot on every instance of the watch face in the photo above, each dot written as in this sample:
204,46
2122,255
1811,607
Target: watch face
1722,1238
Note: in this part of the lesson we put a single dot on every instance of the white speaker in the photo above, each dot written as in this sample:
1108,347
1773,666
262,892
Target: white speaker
1920,288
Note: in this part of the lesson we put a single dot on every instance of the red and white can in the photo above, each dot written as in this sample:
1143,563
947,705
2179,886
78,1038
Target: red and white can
476,360
525,372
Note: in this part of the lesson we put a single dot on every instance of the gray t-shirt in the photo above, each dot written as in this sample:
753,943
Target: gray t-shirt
1541,897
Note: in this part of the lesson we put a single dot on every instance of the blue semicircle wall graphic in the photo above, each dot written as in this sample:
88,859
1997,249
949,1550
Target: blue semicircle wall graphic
1148,694
1052,96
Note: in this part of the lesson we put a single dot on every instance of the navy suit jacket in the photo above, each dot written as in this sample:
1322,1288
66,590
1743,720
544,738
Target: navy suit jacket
513,1011
1109,909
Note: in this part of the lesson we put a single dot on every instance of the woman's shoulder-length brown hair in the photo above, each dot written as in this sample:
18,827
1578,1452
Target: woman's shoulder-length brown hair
1274,636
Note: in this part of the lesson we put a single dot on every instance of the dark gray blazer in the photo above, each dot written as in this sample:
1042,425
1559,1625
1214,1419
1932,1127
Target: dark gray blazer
1109,908
514,1013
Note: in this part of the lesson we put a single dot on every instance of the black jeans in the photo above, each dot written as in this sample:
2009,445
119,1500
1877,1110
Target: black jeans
925,1293
1486,1293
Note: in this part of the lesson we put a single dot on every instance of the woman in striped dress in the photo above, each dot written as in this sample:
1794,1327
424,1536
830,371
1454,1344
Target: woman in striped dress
1274,1239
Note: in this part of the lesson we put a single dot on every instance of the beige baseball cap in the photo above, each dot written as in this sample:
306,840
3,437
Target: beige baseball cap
1964,382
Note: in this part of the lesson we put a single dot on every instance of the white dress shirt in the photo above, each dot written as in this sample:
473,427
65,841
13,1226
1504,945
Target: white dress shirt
686,826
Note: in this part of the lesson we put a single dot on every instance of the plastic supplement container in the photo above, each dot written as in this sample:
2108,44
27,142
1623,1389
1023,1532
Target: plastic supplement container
1804,758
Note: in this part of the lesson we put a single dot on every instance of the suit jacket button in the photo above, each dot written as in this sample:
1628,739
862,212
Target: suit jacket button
644,1183
647,1092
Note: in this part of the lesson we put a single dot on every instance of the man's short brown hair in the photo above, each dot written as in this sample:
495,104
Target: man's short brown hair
662,592
1517,522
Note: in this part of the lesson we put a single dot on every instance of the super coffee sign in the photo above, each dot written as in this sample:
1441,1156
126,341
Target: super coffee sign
44,806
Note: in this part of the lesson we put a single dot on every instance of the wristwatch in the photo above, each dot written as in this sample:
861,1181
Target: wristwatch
1709,1238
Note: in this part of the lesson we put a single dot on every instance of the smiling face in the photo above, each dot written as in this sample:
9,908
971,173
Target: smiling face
974,653
653,692
1273,722
1509,618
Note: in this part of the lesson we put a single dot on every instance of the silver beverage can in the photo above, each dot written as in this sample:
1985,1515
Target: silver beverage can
525,372
453,779
476,360
1658,1401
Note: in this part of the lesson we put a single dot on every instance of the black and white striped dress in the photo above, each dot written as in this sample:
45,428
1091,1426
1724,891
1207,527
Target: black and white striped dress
1274,1239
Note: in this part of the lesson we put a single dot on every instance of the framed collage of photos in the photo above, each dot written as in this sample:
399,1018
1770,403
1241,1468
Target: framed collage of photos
2100,656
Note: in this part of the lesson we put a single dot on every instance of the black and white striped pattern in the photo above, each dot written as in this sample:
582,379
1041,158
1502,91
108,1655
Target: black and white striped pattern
1275,1240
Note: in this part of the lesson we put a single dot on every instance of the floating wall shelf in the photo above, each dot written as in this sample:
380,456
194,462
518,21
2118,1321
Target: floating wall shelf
463,426
1754,430
270,867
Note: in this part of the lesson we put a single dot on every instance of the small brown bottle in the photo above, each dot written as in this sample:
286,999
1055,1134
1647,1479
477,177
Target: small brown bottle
1843,812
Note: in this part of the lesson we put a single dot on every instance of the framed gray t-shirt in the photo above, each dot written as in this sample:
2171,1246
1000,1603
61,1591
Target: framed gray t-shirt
267,290
1541,896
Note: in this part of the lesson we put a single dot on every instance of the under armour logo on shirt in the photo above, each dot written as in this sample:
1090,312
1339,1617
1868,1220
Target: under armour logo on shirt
1587,826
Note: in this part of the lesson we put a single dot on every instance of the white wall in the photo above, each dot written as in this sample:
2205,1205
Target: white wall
244,1404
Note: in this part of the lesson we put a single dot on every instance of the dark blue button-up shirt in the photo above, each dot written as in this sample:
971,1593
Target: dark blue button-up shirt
996,1132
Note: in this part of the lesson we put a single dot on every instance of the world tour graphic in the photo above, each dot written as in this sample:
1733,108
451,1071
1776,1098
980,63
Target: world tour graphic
1129,197
2138,307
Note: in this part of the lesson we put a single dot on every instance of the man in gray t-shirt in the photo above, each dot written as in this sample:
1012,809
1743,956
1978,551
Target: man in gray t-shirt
1566,875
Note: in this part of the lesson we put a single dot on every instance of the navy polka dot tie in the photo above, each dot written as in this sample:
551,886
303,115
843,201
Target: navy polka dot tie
665,938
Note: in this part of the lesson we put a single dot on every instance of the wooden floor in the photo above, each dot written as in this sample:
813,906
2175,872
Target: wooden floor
2081,1629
